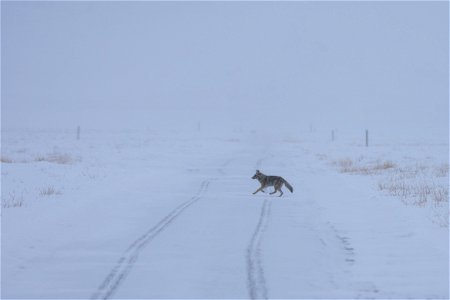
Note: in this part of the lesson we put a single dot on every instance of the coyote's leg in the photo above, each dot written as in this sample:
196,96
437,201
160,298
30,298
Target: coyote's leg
277,188
260,189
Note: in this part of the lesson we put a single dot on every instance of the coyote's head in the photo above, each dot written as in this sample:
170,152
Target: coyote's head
257,175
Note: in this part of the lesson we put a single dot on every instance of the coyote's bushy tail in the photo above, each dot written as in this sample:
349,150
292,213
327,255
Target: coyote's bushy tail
288,186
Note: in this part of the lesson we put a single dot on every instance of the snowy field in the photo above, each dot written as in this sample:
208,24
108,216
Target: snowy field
217,90
140,214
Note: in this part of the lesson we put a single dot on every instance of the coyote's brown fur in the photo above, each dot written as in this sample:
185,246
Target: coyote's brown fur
275,181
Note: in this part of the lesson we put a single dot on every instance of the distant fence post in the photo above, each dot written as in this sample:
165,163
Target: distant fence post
367,138
332,135
78,132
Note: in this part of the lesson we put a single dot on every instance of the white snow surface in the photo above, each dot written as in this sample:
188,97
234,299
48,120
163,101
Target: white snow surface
140,214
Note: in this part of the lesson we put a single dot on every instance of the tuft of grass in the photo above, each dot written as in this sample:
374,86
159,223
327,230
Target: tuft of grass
385,165
347,165
417,184
12,201
6,160
440,195
415,193
442,170
49,191
58,158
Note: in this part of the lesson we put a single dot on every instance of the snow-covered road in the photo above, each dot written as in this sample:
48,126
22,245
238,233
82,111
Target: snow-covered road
224,242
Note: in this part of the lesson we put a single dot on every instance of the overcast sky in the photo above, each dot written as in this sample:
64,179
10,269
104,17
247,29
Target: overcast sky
227,64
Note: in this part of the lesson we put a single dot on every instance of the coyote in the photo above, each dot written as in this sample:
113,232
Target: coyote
275,181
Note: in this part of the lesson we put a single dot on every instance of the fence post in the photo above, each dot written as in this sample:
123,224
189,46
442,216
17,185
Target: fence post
367,138
332,135
78,132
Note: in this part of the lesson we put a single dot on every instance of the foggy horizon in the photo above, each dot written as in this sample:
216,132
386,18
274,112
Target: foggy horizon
238,65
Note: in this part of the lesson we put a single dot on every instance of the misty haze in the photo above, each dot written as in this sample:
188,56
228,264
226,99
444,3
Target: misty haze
130,132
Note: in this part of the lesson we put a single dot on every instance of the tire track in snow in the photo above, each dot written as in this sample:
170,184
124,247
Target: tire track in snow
256,283
129,257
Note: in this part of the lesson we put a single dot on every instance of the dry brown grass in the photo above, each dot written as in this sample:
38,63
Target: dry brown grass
416,184
415,192
6,160
385,165
441,171
347,165
57,158
440,195
12,200
49,191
